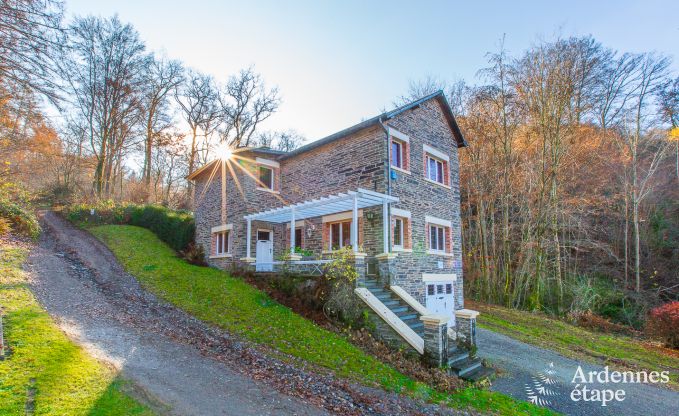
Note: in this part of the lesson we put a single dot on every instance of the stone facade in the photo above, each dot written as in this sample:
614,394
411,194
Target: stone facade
356,160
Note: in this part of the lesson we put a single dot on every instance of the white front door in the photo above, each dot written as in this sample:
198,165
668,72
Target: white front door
264,252
440,299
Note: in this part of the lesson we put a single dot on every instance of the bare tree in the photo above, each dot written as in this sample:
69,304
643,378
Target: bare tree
103,74
162,77
198,98
31,37
645,146
245,104
285,141
669,104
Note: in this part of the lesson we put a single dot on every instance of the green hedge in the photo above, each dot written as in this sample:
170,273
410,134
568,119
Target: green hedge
176,228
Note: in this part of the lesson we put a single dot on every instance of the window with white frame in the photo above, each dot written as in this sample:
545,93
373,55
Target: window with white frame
266,179
398,232
223,242
399,143
437,238
435,171
436,165
340,235
397,154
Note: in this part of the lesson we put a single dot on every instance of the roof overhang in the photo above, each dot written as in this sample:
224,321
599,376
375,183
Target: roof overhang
333,204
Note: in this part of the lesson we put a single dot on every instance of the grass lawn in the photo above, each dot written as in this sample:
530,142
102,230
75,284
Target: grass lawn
617,351
59,376
213,296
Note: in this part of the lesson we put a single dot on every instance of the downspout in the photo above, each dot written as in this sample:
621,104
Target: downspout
388,172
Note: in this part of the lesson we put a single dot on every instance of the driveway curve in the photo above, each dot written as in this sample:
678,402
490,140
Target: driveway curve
544,377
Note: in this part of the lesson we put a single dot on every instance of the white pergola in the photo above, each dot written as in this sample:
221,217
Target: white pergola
348,201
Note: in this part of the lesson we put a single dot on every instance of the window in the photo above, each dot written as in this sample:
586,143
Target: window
397,154
223,243
435,171
298,238
266,177
437,238
398,232
263,235
340,235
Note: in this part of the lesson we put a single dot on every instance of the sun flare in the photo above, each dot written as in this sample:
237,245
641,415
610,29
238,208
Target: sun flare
223,151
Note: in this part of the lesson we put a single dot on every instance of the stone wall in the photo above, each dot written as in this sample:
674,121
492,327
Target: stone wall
427,125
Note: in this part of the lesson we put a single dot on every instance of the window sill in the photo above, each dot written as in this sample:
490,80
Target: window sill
271,191
439,253
397,169
221,256
437,183
402,250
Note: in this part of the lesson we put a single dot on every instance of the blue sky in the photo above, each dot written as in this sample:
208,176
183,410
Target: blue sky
342,61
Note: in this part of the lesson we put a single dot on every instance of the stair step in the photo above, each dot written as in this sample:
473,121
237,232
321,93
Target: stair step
405,315
465,366
417,327
398,309
478,374
390,302
457,356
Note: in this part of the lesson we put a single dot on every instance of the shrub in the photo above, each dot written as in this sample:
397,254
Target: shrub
175,228
341,302
597,323
663,323
194,254
20,216
5,226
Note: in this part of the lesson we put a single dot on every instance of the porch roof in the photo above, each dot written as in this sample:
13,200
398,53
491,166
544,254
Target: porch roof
323,206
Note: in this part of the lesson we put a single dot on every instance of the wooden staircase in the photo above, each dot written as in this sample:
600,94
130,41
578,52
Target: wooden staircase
460,362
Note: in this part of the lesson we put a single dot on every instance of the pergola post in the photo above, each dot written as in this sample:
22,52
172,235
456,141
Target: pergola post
248,234
354,225
292,231
385,226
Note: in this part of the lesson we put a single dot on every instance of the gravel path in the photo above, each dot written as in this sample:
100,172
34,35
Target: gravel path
545,376
177,364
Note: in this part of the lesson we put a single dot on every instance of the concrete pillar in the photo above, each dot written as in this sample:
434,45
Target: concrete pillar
435,339
361,268
465,323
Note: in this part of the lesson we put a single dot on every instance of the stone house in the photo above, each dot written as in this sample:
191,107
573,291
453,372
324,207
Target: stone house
388,187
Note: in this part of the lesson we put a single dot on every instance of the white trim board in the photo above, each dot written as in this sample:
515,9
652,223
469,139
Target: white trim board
341,216
267,162
438,221
398,135
439,277
436,153
220,228
298,223
397,212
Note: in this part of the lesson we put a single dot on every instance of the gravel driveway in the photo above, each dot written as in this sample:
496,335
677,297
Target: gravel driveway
532,373
177,364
